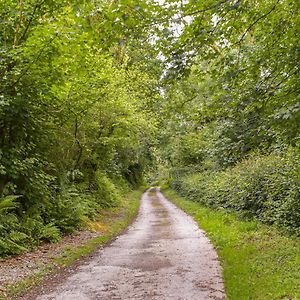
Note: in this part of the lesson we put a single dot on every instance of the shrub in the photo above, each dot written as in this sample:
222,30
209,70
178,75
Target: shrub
22,230
67,211
107,194
12,241
50,233
21,234
266,187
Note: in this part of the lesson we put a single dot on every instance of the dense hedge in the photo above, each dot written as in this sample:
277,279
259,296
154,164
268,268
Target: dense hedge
266,187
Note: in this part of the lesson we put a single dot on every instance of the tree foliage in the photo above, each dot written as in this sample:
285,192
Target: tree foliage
96,94
232,104
75,125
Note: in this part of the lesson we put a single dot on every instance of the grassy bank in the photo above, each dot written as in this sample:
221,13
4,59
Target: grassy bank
258,261
112,222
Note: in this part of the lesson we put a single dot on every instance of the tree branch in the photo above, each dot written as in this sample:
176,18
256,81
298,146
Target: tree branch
16,40
34,60
257,20
206,9
38,5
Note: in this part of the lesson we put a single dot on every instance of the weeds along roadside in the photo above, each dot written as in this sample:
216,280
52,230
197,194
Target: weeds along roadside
114,220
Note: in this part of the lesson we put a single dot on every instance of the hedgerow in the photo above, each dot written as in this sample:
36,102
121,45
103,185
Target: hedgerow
265,187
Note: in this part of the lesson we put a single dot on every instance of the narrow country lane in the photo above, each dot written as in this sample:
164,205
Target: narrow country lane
163,255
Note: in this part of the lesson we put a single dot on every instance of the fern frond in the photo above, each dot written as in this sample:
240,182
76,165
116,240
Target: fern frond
8,202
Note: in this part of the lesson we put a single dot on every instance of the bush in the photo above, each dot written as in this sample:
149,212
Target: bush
12,241
266,187
67,210
107,194
22,230
18,235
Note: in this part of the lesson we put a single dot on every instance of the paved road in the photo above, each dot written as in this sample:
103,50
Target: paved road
163,255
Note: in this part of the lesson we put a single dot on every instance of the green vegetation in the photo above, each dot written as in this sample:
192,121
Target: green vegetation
263,186
97,97
114,221
231,132
75,124
258,261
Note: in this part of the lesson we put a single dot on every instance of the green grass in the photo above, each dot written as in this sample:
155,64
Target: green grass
259,262
115,221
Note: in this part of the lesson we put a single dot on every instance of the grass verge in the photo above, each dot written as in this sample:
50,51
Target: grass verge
113,222
258,261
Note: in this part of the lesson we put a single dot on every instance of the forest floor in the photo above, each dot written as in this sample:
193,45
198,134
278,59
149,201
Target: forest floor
22,272
162,255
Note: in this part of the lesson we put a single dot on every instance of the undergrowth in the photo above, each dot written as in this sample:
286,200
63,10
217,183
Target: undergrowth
63,213
113,221
264,187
